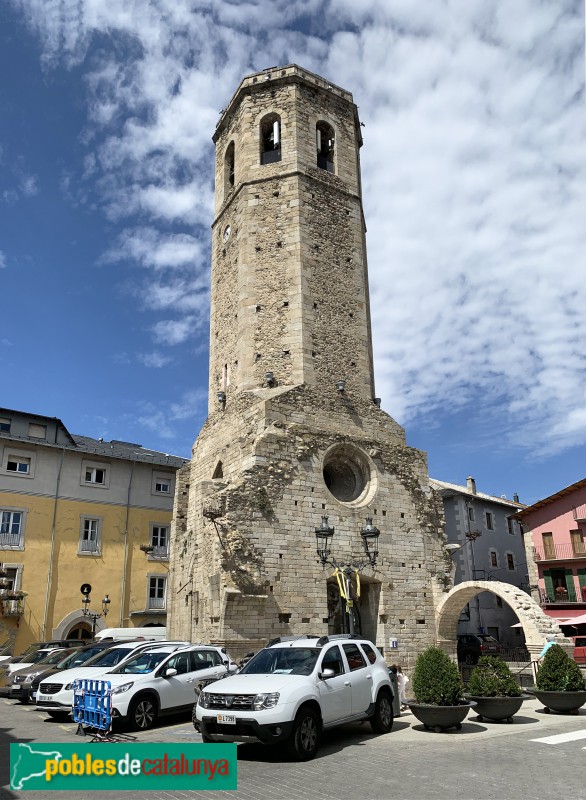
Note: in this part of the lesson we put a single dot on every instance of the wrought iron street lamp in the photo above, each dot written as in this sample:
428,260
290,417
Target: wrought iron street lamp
86,591
324,534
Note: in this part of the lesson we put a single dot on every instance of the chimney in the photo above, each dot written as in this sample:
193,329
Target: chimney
515,498
471,485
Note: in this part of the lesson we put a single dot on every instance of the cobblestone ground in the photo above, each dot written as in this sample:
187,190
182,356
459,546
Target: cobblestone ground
483,761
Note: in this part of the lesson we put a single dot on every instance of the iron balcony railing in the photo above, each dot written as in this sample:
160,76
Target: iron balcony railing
89,546
12,607
159,551
156,602
9,539
559,552
562,594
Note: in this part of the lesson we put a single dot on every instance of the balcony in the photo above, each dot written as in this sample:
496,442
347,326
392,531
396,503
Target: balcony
160,551
559,552
89,546
579,512
10,540
562,596
11,606
156,602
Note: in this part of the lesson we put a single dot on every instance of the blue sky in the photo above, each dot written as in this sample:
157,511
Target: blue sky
474,193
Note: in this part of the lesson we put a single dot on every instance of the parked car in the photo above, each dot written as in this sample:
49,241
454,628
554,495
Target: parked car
161,680
19,689
32,655
42,670
296,687
55,694
473,645
580,649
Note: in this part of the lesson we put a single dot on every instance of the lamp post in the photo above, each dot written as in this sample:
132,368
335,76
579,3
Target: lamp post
86,591
369,533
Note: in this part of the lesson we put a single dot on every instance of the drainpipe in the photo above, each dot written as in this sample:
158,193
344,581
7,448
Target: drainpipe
125,558
52,550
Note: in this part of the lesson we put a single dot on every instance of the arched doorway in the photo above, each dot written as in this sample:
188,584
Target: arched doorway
363,609
82,630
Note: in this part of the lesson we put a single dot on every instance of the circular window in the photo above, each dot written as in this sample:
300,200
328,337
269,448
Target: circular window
227,232
348,474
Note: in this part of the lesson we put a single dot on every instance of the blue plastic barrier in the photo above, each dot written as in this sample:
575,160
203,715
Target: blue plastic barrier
92,705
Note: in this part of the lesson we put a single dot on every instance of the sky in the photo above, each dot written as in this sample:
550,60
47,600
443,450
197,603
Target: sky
474,166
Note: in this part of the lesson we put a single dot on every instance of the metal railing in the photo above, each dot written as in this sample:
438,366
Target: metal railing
12,607
156,602
159,551
559,552
10,539
563,595
89,546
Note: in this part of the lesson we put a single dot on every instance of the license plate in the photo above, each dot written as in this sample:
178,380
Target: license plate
34,695
226,719
44,697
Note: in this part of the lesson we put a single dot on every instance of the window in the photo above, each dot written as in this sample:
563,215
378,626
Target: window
333,660
89,539
470,508
37,431
511,526
354,657
204,659
157,592
4,425
162,483
18,464
494,562
270,136
577,538
180,662
548,545
95,475
489,520
510,561
160,541
370,654
229,162
324,140
11,578
11,529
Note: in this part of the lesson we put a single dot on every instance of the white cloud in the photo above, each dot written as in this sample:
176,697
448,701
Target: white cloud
154,360
473,173
2,259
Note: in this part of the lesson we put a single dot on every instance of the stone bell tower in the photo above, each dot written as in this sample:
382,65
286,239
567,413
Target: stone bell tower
294,431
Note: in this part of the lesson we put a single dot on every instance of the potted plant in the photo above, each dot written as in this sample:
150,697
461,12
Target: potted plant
494,690
438,691
559,683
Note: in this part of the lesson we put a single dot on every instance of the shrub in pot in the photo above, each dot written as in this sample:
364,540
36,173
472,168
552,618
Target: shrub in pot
559,683
495,691
438,691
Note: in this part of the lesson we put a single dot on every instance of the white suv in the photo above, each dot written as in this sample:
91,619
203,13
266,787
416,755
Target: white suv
295,688
162,680
55,694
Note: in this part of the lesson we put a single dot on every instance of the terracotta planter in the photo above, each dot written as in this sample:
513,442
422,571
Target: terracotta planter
440,718
497,708
562,702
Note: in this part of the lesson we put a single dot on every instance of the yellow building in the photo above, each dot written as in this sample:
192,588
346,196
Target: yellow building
74,511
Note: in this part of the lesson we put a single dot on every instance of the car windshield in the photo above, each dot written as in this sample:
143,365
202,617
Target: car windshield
489,639
283,661
53,657
83,656
29,652
109,658
141,664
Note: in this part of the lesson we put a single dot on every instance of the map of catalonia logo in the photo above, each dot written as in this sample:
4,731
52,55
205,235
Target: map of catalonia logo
39,766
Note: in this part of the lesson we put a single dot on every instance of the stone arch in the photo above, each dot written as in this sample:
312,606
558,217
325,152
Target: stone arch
70,621
536,624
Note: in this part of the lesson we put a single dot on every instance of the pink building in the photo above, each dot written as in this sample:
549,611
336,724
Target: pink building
554,533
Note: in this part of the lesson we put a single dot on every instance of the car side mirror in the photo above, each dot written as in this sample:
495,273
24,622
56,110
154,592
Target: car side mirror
326,673
170,672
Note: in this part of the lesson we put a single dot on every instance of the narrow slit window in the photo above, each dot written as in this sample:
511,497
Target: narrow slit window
229,167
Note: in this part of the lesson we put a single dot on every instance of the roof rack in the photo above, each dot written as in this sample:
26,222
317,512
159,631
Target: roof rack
281,639
334,636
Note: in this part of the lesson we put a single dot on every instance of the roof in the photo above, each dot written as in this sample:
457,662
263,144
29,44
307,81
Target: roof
553,497
450,489
128,451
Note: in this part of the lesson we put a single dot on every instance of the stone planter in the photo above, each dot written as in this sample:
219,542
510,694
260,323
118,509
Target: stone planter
497,708
440,718
562,702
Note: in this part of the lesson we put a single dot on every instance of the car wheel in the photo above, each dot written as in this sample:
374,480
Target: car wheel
62,716
303,743
382,719
206,739
142,714
24,700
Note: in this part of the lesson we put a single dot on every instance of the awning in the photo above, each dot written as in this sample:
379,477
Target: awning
579,620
